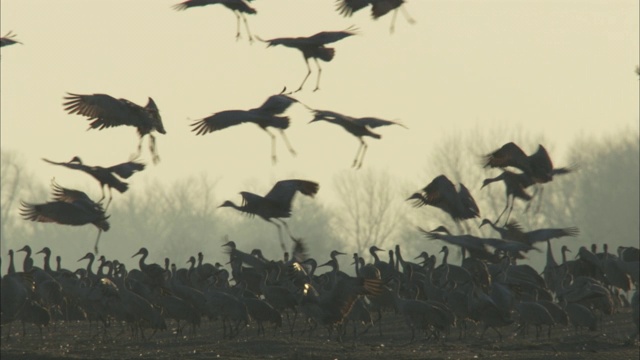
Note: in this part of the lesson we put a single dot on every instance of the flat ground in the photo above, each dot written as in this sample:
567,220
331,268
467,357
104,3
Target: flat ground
79,340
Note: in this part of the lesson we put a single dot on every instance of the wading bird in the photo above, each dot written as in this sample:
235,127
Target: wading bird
69,207
105,111
441,193
239,8
276,204
264,116
8,39
358,127
515,187
379,8
538,166
106,176
313,47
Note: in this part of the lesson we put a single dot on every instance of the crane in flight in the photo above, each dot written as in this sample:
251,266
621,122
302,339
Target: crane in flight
239,8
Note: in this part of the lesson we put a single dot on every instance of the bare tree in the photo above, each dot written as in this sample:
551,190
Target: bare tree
370,208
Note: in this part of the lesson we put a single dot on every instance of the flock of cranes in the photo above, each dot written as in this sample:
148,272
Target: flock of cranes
489,287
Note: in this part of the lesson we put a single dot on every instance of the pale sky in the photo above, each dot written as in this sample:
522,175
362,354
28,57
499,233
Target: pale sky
561,69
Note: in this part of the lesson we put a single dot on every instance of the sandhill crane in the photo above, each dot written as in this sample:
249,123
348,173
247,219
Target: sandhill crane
265,116
276,204
313,47
358,127
69,207
154,273
442,193
534,314
379,8
538,166
106,176
515,185
9,39
513,231
105,111
239,8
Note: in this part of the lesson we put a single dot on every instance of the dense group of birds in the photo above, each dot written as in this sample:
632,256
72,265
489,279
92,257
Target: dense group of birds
490,287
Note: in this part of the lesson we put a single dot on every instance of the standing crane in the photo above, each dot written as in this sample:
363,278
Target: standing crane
313,47
358,127
379,8
105,111
265,116
9,39
106,176
276,204
239,8
442,193
69,207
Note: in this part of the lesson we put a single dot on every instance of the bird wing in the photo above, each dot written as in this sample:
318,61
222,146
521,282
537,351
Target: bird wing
67,195
541,162
59,212
8,40
548,234
373,122
105,111
509,154
70,165
441,189
194,3
126,169
221,120
470,208
284,190
327,37
348,7
276,104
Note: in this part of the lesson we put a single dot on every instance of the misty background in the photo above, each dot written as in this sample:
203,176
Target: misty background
467,77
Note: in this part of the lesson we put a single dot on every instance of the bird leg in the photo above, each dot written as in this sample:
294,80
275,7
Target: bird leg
273,146
319,72
286,141
410,20
237,25
505,209
306,77
355,161
152,148
110,198
364,147
137,154
95,247
284,248
246,25
393,21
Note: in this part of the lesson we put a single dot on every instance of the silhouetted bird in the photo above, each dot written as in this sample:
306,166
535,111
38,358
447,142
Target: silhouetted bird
313,47
105,111
358,127
106,176
538,166
276,204
8,39
69,207
379,8
239,8
515,185
441,193
264,116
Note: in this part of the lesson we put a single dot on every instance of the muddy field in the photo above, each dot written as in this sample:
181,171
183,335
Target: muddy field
84,341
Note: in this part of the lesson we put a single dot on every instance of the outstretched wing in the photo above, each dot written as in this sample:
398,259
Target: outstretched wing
194,3
70,165
470,208
125,170
373,122
220,120
64,213
105,111
276,104
548,234
509,154
284,190
348,7
542,165
327,37
67,195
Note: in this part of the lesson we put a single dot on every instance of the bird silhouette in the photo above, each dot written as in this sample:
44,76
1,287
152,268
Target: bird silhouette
313,47
442,193
105,111
69,207
515,187
276,204
239,8
379,8
358,127
9,39
264,116
106,176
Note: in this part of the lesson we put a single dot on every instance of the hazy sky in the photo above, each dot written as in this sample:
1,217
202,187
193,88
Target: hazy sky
560,69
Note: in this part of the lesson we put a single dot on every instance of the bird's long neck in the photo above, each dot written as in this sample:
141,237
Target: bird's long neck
90,264
564,254
47,258
27,263
142,259
550,260
446,255
11,270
